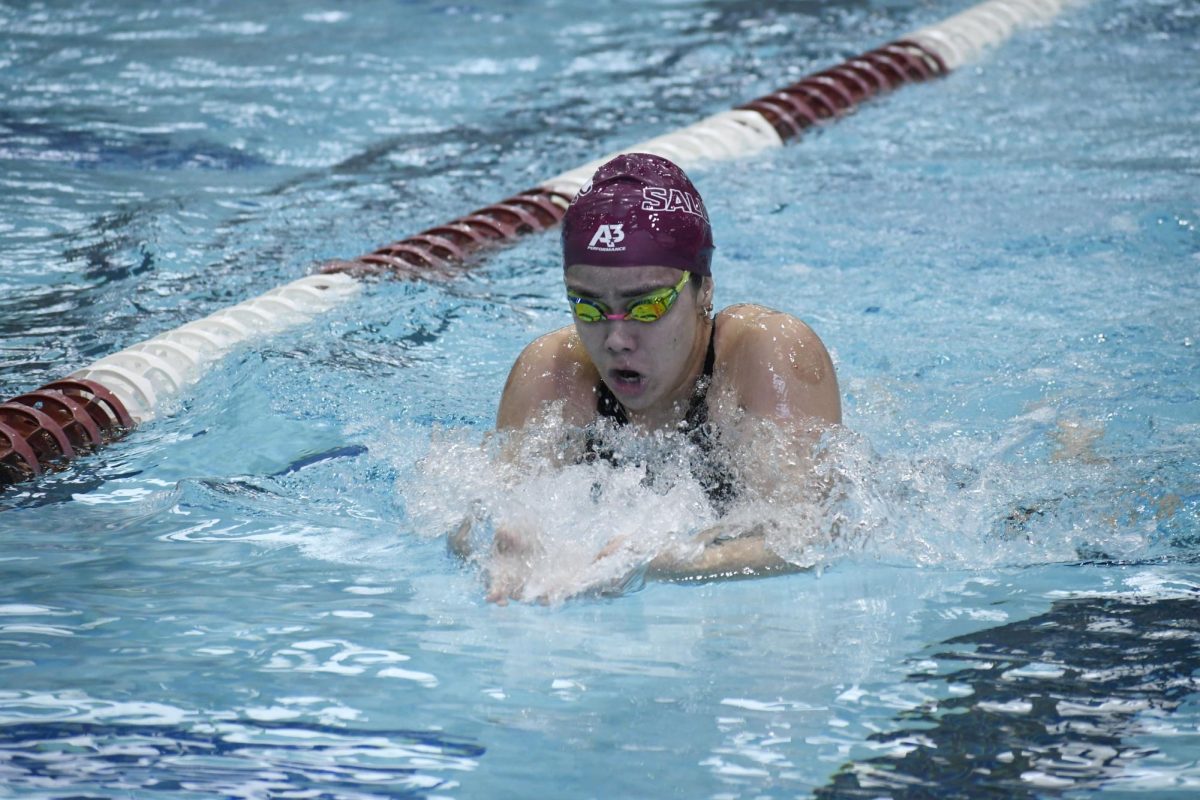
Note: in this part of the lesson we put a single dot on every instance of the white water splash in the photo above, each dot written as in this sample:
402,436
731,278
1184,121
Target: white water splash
962,502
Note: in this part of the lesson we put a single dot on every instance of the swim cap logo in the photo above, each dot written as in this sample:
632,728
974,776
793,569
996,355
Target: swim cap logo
607,237
658,198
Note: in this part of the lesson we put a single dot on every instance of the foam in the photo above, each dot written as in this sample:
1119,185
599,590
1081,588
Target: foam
958,502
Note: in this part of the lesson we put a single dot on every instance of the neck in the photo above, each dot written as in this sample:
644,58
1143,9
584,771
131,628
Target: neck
673,409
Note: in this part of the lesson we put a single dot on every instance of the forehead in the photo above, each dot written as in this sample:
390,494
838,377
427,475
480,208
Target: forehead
619,280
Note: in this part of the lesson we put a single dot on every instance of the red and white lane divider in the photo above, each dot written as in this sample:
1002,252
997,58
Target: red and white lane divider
55,423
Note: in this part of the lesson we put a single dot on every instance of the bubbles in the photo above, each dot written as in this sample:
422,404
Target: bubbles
549,528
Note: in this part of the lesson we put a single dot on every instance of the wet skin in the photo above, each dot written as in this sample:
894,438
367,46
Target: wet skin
769,364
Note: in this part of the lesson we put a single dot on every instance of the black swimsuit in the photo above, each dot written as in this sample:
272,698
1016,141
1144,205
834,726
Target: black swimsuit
714,476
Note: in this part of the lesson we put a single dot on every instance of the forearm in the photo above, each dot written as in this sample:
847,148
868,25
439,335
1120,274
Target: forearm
721,556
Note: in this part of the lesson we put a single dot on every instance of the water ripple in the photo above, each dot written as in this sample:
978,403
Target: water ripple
257,756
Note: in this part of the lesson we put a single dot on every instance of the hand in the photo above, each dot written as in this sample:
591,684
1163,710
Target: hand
517,570
458,542
618,542
619,567
509,567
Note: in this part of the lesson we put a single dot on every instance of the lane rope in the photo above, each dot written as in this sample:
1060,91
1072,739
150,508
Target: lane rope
47,427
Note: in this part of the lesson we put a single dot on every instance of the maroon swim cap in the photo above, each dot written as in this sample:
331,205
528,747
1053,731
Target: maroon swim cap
638,210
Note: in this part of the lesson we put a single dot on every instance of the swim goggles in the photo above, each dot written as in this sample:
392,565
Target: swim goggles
647,308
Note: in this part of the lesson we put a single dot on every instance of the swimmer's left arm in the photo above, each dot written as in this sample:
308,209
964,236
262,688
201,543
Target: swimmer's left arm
782,373
719,552
721,555
782,370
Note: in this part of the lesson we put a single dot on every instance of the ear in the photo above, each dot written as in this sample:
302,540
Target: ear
704,296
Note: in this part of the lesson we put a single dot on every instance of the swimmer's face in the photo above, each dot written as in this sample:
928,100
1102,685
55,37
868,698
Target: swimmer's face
647,365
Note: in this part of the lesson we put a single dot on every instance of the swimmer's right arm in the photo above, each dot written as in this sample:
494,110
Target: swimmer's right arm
547,373
552,369
523,400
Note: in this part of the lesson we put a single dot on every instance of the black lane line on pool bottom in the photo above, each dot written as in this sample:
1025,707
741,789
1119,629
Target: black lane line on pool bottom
1120,659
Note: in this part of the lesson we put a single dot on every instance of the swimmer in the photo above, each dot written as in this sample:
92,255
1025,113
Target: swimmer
647,353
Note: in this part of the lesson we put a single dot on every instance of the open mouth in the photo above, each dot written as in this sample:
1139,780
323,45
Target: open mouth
626,381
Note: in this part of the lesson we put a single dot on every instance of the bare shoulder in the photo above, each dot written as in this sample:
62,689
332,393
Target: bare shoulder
552,368
764,335
777,364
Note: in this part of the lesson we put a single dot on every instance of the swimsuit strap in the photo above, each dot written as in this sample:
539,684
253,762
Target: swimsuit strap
697,413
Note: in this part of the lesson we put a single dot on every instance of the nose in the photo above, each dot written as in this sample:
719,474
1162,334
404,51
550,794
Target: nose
620,337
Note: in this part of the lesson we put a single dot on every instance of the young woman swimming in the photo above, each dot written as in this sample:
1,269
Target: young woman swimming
646,353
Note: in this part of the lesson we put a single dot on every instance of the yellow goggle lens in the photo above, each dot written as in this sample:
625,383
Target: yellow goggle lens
648,308
586,310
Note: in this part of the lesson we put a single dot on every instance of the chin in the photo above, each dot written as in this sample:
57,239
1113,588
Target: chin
644,401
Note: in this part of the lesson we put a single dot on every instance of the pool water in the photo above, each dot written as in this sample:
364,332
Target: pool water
250,596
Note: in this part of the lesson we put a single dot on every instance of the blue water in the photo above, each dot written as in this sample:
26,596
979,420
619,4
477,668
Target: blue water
250,597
